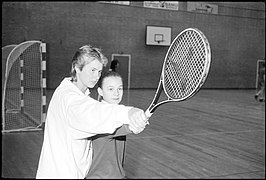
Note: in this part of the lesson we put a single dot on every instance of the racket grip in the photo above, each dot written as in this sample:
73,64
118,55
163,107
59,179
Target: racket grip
148,113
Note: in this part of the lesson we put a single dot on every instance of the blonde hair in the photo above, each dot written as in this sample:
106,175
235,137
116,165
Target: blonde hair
85,55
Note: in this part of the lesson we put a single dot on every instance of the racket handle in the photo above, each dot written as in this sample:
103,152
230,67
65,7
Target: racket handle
148,113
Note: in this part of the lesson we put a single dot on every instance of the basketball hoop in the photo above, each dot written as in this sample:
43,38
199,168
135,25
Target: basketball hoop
158,38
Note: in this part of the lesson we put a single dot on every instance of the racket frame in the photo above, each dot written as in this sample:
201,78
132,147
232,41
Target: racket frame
161,87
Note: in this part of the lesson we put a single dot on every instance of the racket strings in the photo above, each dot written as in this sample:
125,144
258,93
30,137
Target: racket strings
185,64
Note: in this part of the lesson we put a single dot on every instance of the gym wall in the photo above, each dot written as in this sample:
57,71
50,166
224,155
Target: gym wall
237,38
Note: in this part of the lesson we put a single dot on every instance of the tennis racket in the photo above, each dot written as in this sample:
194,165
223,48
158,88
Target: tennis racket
185,68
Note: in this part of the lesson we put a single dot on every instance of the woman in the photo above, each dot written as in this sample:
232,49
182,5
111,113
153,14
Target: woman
73,116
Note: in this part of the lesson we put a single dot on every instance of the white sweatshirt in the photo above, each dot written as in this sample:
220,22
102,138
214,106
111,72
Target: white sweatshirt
72,117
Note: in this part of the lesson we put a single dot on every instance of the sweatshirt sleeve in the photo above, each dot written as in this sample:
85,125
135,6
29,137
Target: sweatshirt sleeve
87,117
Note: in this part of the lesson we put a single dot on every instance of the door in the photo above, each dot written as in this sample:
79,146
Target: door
124,68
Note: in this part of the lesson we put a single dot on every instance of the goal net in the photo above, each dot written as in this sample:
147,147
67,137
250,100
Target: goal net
23,86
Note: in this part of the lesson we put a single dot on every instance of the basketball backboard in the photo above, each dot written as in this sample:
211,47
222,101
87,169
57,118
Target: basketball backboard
158,35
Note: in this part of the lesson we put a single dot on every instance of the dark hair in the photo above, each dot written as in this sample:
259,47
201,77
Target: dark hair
114,64
106,75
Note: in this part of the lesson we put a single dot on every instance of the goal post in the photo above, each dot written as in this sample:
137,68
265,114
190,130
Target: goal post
5,52
24,86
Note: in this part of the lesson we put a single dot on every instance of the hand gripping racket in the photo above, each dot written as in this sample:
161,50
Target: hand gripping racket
185,68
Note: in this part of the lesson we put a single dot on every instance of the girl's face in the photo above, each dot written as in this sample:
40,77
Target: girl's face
89,75
112,89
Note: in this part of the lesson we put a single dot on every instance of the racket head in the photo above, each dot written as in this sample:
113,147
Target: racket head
186,65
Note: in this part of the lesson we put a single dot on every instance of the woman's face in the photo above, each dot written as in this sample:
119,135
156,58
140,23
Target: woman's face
89,75
112,89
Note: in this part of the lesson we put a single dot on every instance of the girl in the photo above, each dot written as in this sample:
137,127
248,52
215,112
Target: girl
109,150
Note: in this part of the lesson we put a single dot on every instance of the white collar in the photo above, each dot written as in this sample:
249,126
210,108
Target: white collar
67,81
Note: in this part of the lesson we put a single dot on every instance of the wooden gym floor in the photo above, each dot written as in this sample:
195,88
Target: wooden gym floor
217,134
